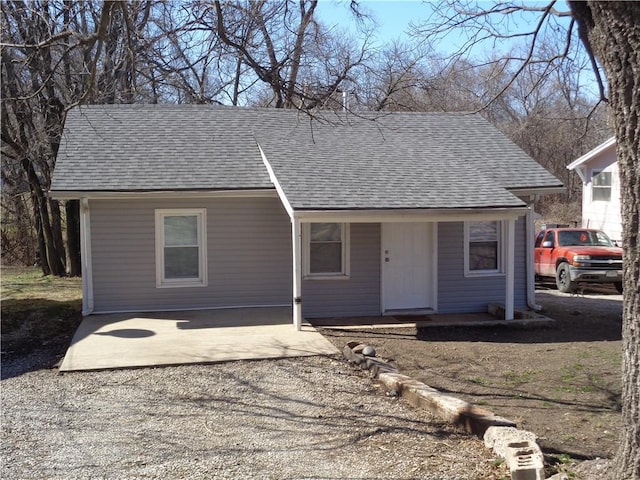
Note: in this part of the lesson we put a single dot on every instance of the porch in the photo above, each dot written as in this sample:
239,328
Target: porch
128,340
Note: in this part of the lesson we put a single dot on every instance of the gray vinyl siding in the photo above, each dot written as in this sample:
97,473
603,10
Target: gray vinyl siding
248,249
460,294
360,294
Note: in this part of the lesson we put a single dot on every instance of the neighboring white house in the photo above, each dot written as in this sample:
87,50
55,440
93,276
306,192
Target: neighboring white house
598,170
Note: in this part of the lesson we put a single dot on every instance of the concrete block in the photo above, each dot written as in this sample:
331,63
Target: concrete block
498,437
519,449
525,461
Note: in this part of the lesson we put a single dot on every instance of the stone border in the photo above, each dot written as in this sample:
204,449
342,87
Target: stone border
518,448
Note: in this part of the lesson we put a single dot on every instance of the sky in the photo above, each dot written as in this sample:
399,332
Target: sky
393,17
394,20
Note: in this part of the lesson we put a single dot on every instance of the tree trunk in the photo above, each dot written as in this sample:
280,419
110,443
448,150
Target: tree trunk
72,210
56,230
51,257
613,31
42,248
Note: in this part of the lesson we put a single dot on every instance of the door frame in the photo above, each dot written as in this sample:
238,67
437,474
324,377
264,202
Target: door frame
433,278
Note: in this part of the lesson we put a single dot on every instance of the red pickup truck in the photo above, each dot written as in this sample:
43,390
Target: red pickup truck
574,255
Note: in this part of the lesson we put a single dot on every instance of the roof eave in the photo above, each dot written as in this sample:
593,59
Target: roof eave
381,215
530,191
591,154
138,194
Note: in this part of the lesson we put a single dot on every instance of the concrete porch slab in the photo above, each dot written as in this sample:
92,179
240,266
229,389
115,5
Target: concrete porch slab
205,336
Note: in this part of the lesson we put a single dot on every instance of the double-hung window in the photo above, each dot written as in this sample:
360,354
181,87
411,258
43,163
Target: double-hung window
181,256
326,250
483,247
601,186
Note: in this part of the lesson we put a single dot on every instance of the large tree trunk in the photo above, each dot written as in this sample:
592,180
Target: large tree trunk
56,230
72,210
42,247
49,254
613,32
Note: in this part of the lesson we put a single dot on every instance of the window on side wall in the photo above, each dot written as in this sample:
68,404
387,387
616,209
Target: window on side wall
181,256
483,247
326,250
601,186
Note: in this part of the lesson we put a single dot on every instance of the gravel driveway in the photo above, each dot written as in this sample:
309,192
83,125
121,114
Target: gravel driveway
313,417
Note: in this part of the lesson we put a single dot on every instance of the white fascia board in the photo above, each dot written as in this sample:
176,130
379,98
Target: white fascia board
591,154
74,195
382,216
276,183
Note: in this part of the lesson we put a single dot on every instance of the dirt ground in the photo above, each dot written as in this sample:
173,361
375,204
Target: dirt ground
561,382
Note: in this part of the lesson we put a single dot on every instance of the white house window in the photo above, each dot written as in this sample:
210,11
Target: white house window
483,247
181,239
327,250
601,186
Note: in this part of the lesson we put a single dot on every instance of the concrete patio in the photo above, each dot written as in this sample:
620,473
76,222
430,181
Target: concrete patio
204,336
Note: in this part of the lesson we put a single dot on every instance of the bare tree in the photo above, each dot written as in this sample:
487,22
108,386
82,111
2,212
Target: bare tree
56,55
286,49
609,34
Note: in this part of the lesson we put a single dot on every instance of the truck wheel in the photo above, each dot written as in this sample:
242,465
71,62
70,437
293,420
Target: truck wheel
618,286
563,279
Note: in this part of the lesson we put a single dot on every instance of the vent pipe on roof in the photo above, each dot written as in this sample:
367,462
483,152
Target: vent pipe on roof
345,100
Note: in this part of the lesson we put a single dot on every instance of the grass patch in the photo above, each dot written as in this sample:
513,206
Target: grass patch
519,378
479,381
30,284
576,378
37,309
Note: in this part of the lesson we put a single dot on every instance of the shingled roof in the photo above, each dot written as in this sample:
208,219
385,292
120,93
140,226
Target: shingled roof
333,161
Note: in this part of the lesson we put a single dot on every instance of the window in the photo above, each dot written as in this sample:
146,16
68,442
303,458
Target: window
483,247
601,186
181,257
326,248
583,238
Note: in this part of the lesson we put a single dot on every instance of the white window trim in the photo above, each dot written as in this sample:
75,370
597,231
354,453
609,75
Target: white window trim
201,281
501,253
594,174
346,254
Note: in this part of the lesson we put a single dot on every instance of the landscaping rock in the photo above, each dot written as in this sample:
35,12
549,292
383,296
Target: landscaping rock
453,410
469,417
369,351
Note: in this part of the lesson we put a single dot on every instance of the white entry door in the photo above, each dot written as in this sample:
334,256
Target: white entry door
407,266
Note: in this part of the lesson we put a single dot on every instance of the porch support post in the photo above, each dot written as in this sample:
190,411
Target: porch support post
510,269
531,276
296,243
